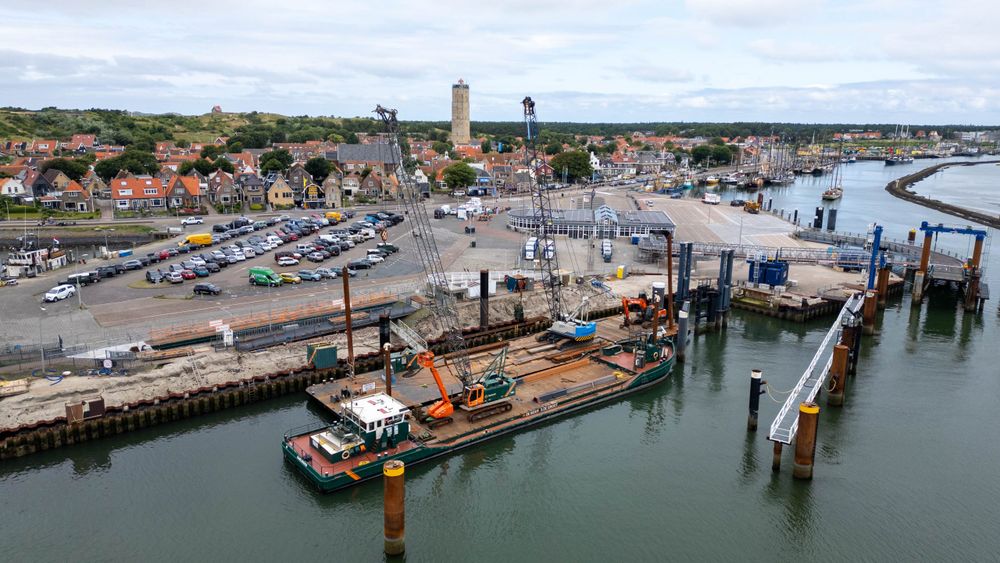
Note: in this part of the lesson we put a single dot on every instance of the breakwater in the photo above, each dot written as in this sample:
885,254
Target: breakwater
900,188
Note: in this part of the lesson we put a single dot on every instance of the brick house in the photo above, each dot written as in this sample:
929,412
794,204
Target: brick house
138,193
183,192
75,198
253,189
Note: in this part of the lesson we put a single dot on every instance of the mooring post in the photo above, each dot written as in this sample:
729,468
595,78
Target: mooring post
974,275
805,441
850,337
755,393
387,360
869,310
882,286
670,281
925,259
682,331
484,298
347,321
393,507
838,375
384,334
776,457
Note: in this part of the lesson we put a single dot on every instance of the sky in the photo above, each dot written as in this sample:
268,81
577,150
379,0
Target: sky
813,61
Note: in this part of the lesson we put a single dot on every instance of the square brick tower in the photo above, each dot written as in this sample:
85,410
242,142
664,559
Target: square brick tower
460,134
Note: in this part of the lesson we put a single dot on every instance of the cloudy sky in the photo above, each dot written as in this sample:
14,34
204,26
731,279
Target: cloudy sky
886,61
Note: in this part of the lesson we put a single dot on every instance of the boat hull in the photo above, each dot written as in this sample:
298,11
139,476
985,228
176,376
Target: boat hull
420,453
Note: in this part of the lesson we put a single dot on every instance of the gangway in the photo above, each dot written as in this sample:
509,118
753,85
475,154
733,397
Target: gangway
787,420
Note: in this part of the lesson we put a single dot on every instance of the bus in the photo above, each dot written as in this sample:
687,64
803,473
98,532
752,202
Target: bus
530,248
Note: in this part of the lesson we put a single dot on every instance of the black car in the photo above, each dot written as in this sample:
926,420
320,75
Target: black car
184,248
154,257
144,260
212,267
219,228
119,268
360,264
106,271
173,251
154,276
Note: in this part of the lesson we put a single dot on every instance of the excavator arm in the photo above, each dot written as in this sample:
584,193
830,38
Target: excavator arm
443,408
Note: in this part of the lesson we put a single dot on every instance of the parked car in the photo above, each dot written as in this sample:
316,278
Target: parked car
213,267
192,221
249,252
60,292
360,264
107,271
326,273
174,277
201,271
315,257
375,258
188,274
240,257
287,261
132,264
288,277
154,276
206,289
392,248
310,275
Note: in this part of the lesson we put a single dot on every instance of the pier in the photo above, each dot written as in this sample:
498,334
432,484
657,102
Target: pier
785,424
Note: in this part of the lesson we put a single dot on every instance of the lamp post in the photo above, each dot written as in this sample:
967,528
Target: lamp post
76,278
41,347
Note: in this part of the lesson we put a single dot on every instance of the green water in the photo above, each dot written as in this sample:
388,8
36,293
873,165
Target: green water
907,470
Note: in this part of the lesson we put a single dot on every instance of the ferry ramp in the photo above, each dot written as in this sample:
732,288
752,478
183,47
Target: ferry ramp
813,378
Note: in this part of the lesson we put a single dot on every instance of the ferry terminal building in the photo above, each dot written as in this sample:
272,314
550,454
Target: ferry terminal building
602,222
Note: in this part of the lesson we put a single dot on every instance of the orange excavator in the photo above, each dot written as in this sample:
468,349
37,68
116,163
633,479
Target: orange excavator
639,305
443,408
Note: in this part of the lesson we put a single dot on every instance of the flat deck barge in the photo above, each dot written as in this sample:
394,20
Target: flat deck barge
371,427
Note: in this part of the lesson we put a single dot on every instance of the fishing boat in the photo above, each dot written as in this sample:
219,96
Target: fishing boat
731,179
712,180
372,427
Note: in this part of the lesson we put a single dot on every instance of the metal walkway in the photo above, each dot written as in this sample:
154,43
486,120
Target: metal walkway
787,421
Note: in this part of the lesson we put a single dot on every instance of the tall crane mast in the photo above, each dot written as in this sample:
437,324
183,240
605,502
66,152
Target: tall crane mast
423,238
542,209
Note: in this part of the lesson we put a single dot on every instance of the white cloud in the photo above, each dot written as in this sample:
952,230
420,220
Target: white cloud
752,13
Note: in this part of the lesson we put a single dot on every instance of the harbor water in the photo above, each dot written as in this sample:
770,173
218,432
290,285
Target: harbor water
906,470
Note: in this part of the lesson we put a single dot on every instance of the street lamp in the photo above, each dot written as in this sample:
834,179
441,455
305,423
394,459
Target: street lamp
41,347
76,276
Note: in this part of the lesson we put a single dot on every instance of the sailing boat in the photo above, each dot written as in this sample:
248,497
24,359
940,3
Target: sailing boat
835,191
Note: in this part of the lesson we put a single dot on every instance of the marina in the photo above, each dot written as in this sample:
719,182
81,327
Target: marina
692,425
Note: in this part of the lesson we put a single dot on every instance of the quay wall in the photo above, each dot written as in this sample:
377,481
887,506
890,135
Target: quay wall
28,439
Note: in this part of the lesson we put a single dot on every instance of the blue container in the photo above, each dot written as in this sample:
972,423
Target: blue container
122,253
772,272
635,239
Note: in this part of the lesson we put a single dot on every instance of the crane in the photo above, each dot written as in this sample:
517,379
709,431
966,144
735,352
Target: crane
485,394
564,325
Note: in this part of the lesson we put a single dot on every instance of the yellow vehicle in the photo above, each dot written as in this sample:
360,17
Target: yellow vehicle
288,277
203,239
751,207
334,216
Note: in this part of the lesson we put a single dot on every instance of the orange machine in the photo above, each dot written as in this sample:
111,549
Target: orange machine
638,305
444,408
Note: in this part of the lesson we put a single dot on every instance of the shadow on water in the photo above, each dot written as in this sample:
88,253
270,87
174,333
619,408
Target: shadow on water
749,464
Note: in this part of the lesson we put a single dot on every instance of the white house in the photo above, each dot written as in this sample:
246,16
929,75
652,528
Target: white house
12,187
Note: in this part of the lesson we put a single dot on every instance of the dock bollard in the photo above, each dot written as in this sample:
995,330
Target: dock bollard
849,336
755,393
682,332
393,511
805,441
776,458
882,286
838,373
868,312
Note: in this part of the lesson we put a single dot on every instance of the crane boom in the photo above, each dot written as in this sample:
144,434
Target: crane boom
542,209
423,238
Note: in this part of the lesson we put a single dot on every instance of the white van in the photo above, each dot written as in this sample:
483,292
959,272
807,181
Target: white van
275,240
368,233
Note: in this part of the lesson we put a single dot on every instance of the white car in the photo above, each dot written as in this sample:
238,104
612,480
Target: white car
196,260
249,252
60,292
192,221
240,257
375,258
287,261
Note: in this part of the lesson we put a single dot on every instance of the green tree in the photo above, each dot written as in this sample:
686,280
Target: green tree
182,143
205,166
441,147
365,172
74,169
352,139
275,160
132,160
223,164
485,146
459,175
717,141
318,167
576,164
721,154
211,152
234,146
553,148
701,153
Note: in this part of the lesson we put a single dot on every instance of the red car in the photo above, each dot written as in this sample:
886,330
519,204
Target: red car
164,254
188,274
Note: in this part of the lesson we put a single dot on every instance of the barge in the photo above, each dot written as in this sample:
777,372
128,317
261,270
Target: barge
372,427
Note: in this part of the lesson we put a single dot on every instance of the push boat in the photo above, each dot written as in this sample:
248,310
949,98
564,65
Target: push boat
371,427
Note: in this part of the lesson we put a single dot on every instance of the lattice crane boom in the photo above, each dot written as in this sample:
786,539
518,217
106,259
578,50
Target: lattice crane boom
423,237
542,209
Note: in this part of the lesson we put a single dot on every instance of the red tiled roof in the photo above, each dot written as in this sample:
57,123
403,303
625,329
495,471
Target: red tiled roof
73,186
138,187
